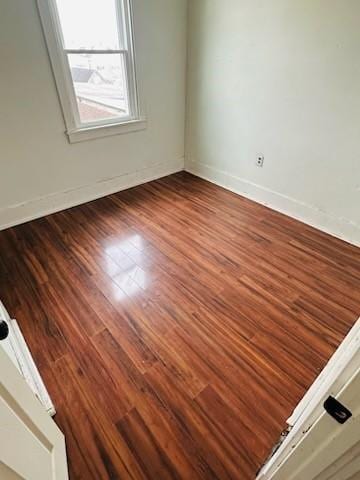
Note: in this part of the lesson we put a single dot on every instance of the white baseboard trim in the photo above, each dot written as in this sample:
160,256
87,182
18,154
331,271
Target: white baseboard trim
19,353
337,227
39,207
28,367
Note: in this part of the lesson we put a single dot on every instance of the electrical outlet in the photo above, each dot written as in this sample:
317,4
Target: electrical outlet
260,160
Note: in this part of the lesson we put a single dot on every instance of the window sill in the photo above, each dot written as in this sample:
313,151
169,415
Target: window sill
90,133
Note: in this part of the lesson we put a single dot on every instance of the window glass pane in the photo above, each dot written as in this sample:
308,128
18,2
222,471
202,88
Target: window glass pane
100,86
89,24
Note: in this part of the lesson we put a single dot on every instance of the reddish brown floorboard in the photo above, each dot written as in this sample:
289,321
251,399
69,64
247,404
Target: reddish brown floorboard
176,325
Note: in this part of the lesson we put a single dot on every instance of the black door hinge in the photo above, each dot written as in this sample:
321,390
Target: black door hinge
336,410
4,330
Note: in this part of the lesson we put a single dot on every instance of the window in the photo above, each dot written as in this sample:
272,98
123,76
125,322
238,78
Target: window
91,49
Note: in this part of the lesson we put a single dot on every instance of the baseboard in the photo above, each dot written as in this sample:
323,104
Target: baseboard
16,348
29,369
39,207
337,227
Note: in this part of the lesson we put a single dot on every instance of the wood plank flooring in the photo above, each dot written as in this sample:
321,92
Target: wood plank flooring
176,325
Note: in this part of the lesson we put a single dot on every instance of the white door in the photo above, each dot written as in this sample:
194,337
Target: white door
31,445
318,447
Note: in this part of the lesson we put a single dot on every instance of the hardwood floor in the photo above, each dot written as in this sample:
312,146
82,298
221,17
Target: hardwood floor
176,325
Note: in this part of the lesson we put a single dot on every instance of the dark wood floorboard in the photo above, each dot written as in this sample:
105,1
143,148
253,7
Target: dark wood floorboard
176,325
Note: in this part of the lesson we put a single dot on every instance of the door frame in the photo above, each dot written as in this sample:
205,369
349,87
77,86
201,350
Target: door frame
17,396
342,366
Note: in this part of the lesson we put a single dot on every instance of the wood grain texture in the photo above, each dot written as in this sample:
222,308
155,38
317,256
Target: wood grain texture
176,325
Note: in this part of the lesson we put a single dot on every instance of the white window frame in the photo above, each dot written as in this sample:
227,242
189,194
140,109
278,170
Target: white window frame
75,129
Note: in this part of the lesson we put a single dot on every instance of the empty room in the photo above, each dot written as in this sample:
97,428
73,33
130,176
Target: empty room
180,240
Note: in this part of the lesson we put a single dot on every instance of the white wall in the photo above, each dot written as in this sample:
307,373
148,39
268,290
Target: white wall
281,78
39,170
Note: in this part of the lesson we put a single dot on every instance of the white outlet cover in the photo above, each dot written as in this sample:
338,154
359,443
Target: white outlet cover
260,160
